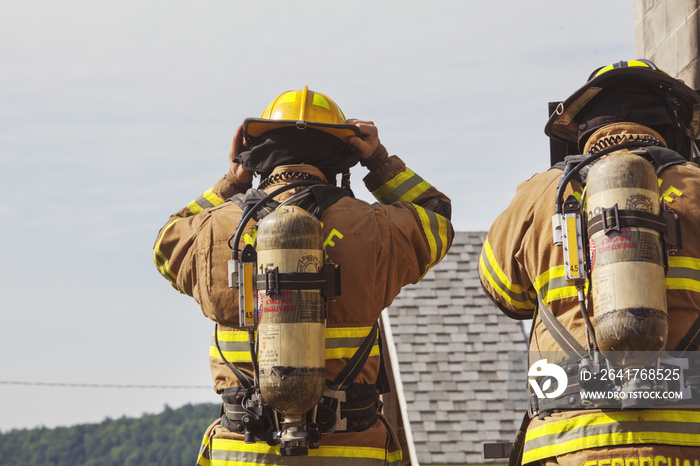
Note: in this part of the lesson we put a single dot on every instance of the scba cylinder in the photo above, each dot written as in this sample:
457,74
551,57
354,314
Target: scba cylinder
291,329
627,271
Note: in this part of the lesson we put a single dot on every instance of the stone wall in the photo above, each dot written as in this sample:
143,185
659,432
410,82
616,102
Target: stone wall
666,32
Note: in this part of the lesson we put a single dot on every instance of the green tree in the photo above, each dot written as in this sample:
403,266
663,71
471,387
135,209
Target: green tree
169,438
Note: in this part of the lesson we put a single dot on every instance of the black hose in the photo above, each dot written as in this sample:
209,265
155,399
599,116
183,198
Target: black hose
591,158
248,213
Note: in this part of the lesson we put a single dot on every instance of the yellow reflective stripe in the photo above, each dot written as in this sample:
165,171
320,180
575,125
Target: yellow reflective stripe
337,353
595,419
683,274
233,335
685,262
629,63
392,183
162,261
287,97
234,346
552,285
682,284
320,101
194,207
406,186
327,451
618,435
499,289
341,342
413,193
231,356
620,438
511,288
347,332
435,228
213,198
205,201
498,271
513,294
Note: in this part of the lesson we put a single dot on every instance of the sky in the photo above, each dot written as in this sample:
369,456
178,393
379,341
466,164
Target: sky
116,114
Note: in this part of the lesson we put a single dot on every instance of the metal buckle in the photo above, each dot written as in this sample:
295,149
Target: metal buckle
683,365
272,283
607,228
341,424
533,406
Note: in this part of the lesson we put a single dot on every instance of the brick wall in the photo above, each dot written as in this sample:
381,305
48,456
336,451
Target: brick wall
667,33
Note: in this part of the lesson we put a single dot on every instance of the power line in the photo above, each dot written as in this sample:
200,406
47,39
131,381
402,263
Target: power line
102,385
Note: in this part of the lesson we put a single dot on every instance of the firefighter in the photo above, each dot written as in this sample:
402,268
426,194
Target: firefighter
379,248
624,106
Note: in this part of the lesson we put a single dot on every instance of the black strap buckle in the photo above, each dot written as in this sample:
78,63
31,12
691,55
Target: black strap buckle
616,215
272,281
533,406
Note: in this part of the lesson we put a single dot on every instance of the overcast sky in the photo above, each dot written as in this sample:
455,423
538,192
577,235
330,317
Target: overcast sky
113,115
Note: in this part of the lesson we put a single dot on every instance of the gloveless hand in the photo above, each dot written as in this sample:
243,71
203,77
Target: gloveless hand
369,141
237,146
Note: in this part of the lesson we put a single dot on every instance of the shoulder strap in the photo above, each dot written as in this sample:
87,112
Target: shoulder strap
245,380
560,334
322,196
691,340
662,158
251,197
357,362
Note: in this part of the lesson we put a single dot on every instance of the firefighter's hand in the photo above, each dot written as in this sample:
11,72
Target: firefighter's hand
369,141
237,146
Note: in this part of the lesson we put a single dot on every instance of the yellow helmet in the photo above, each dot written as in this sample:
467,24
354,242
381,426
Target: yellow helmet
302,109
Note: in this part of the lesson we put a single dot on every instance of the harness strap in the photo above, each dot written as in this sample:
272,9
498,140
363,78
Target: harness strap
691,340
560,334
351,410
614,219
516,452
382,384
357,362
247,200
243,378
327,281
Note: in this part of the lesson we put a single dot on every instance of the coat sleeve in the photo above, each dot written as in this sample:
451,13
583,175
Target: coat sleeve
413,218
177,236
508,262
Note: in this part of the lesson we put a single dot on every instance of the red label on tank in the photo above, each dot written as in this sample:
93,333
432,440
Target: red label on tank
281,302
615,241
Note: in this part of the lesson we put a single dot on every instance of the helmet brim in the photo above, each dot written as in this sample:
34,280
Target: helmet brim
563,124
255,127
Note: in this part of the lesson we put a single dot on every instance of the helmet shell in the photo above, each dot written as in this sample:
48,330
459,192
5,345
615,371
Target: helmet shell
302,109
563,124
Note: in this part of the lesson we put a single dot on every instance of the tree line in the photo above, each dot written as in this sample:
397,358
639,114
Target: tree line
169,438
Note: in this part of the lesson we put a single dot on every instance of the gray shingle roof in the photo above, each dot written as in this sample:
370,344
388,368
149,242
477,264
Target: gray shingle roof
452,344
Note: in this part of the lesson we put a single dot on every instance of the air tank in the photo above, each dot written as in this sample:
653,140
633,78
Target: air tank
291,329
628,287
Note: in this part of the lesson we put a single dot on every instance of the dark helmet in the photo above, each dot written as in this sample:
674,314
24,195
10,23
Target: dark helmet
631,91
